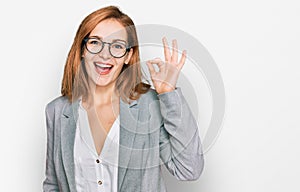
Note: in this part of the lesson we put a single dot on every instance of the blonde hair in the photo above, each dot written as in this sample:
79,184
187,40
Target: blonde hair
75,79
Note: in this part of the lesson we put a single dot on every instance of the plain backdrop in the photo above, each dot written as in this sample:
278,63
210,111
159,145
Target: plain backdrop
255,45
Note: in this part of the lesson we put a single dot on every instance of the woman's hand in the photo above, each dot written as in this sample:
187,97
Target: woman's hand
165,79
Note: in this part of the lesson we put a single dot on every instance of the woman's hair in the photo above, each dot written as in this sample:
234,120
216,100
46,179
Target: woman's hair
75,79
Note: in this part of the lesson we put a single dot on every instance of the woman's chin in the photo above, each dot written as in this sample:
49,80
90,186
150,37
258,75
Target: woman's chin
103,82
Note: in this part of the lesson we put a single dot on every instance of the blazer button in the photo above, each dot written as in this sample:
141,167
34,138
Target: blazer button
99,182
97,161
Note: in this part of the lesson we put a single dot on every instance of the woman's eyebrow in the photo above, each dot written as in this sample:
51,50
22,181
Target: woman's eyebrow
96,37
114,40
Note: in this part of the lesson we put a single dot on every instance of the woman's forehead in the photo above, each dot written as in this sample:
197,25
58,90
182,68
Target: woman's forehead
109,30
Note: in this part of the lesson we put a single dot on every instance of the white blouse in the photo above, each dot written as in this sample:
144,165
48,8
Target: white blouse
95,172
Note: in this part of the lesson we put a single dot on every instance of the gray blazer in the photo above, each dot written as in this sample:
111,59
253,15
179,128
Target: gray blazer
156,129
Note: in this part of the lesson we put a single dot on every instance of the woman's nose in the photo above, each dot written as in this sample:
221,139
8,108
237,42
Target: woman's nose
104,53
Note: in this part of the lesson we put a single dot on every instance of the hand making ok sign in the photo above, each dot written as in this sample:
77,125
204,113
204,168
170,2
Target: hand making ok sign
164,80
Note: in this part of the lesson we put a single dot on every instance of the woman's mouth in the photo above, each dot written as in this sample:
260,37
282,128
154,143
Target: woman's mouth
103,68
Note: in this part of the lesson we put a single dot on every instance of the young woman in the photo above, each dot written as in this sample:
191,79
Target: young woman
109,131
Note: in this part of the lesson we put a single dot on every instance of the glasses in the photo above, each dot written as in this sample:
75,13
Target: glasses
116,49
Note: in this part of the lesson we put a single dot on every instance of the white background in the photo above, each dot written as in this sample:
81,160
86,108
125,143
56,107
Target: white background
255,44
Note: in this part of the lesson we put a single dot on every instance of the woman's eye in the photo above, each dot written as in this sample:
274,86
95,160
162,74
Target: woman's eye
118,46
94,42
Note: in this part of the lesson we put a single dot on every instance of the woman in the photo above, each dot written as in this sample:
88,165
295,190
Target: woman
109,131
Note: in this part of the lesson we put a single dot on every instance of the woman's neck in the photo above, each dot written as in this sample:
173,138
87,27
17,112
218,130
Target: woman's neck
105,95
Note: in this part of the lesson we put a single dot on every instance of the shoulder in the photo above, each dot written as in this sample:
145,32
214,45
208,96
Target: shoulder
150,95
153,95
57,104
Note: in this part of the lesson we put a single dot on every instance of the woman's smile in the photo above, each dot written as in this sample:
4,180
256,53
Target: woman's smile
103,68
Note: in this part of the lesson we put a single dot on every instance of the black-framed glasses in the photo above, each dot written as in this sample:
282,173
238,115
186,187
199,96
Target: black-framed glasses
116,49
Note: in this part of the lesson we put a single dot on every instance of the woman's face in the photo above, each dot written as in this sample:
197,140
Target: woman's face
103,69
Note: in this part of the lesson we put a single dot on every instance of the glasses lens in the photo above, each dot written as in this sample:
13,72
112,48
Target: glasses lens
94,45
117,49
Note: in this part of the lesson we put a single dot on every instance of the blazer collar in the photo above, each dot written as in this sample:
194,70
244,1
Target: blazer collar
128,123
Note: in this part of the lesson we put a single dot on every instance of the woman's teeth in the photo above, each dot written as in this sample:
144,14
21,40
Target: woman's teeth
103,69
103,65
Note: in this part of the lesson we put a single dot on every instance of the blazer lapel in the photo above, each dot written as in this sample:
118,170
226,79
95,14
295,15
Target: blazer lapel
68,130
128,124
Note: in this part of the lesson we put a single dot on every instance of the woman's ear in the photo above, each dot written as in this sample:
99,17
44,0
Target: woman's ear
128,57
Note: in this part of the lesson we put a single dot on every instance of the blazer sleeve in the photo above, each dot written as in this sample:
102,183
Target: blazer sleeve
50,182
180,145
